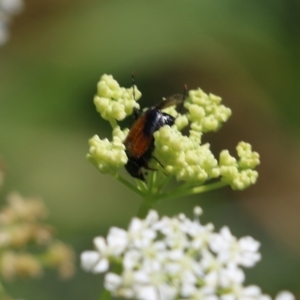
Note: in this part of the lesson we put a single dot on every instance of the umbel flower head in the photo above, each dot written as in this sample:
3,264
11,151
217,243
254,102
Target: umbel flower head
180,156
175,258
8,8
27,243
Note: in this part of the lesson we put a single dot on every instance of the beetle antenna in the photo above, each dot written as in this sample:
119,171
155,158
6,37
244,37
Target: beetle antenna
136,111
184,95
133,84
157,161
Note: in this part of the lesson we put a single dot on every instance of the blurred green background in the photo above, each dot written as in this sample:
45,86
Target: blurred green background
248,52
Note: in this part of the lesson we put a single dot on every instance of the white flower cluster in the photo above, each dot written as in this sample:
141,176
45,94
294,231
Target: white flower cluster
115,102
8,8
175,258
22,227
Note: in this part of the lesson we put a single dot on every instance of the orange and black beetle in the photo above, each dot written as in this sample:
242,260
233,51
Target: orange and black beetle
139,143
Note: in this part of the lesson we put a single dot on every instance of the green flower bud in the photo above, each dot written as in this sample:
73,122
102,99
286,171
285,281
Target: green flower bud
108,156
248,159
239,174
206,110
114,102
182,157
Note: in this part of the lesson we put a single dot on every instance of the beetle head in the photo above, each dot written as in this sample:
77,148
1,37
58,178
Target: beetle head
134,169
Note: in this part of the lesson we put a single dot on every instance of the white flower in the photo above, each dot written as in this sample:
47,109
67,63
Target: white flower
230,276
251,292
112,281
98,261
132,259
151,292
285,295
199,234
90,261
217,275
11,6
172,228
8,8
230,250
120,285
3,32
139,234
203,294
175,258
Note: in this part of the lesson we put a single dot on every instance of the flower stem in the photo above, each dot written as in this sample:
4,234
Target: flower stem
129,185
105,295
113,123
190,191
144,209
2,291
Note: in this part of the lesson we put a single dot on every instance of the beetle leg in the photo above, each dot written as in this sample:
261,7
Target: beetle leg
157,161
136,113
146,166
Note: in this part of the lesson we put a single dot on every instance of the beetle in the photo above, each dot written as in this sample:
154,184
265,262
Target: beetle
139,143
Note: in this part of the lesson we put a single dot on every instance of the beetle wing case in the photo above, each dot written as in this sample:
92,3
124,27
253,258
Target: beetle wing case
137,142
176,99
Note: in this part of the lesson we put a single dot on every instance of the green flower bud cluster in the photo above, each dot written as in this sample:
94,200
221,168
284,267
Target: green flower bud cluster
182,155
239,173
108,156
114,102
206,111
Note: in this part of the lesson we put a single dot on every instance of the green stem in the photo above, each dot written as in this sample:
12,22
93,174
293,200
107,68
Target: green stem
113,123
144,209
142,186
2,290
105,295
162,182
129,185
208,187
190,191
151,181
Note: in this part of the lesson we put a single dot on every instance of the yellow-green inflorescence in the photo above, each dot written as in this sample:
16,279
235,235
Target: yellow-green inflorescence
182,156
